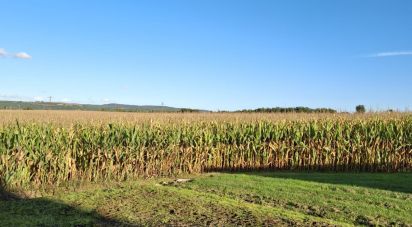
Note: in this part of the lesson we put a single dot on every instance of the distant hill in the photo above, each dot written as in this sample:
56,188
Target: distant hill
75,106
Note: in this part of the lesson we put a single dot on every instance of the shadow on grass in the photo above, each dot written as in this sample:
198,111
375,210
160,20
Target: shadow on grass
396,182
18,211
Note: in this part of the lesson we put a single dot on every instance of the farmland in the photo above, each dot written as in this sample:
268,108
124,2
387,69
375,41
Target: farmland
40,150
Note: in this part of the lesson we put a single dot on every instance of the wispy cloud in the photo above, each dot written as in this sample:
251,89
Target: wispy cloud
20,55
66,100
38,98
390,54
3,52
11,97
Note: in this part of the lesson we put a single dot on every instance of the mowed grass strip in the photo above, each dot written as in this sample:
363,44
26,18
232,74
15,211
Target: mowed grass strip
224,199
354,198
146,203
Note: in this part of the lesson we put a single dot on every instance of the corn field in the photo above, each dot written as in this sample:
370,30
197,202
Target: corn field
38,153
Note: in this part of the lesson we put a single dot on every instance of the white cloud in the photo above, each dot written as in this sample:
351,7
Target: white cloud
10,97
106,100
66,100
22,55
38,98
3,52
390,54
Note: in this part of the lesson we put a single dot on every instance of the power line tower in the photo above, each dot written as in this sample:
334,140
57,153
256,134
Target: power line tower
50,98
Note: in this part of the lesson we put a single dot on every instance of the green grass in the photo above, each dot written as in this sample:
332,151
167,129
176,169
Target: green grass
225,199
351,198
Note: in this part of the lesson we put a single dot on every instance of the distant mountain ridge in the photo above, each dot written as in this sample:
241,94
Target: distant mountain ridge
76,106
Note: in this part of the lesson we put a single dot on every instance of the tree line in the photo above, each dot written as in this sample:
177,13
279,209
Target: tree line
298,109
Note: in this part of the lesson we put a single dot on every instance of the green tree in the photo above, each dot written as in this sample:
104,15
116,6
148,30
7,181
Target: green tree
360,109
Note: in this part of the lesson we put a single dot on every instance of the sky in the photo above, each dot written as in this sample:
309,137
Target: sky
209,54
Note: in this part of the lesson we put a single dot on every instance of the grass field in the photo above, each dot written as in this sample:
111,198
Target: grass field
225,199
101,168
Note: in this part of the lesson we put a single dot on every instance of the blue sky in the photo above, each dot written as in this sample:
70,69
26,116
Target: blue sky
217,55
